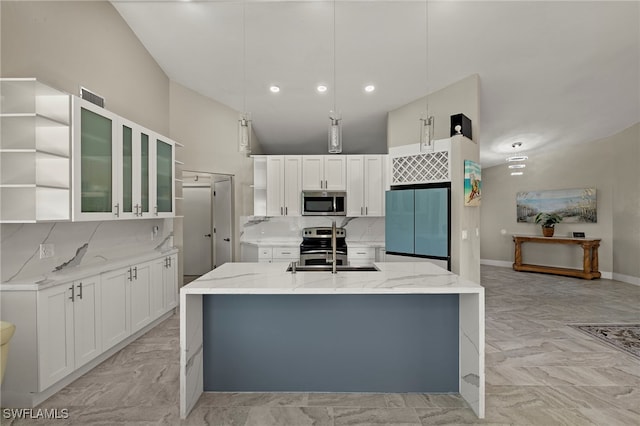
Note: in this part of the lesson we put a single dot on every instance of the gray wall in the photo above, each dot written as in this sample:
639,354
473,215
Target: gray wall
209,132
85,43
609,165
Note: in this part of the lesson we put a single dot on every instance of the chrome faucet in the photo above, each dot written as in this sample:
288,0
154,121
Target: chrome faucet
333,260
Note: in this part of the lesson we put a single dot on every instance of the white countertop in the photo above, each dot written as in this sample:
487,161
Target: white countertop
66,275
272,278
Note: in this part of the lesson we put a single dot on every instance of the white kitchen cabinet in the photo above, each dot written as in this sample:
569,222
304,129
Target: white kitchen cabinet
140,296
116,304
283,185
120,169
286,254
134,172
361,256
259,185
69,319
68,327
163,176
34,152
324,172
170,281
266,253
365,185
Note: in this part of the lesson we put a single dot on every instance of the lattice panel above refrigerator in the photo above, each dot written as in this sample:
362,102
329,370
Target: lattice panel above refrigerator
421,168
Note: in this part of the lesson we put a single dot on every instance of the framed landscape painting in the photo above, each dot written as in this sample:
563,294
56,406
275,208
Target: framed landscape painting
573,205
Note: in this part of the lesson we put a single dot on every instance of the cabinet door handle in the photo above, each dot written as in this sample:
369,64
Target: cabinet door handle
155,210
166,262
168,258
286,211
366,211
135,273
80,292
325,185
361,211
130,277
280,211
72,288
320,184
117,207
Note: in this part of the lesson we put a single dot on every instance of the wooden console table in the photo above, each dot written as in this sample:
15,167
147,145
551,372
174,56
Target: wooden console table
589,259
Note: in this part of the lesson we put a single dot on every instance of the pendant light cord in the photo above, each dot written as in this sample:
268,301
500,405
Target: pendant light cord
334,58
244,59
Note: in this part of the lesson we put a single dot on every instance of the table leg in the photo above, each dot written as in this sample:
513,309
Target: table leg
586,259
594,256
518,254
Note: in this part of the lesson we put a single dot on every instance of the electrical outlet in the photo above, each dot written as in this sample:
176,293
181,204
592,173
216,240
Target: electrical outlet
47,250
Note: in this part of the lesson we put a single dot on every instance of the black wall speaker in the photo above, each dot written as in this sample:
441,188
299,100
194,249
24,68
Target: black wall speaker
465,125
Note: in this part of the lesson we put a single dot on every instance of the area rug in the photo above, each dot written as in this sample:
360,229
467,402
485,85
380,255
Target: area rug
625,337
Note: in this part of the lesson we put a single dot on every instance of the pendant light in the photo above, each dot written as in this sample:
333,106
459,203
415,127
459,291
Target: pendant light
335,127
426,121
244,123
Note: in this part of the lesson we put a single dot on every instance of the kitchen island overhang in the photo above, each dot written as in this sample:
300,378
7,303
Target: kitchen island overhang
261,279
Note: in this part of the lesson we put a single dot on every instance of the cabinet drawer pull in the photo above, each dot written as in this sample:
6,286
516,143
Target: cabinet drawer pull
72,288
80,292
286,252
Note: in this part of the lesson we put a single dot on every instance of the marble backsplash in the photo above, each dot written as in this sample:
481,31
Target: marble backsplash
266,229
76,244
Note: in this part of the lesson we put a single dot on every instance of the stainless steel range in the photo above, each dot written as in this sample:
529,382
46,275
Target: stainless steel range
316,246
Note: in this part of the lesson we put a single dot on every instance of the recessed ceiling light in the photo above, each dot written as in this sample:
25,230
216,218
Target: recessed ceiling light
517,173
321,88
274,89
369,88
517,166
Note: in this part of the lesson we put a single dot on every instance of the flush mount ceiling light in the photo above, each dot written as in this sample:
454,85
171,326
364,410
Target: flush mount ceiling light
274,89
369,88
321,88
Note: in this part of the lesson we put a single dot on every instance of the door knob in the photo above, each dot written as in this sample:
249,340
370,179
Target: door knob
207,235
227,239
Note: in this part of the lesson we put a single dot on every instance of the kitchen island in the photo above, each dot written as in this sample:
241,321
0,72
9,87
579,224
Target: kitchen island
264,302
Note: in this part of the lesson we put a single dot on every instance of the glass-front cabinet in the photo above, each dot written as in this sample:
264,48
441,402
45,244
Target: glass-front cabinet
121,169
164,177
95,157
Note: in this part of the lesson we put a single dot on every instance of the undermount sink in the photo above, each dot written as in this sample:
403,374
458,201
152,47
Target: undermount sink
339,268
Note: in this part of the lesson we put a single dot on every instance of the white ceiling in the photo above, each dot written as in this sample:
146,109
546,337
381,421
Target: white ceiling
551,73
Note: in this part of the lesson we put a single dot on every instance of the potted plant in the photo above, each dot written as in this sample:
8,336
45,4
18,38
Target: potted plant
548,221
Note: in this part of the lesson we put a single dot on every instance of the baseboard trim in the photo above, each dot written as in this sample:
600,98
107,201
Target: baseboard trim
500,263
626,278
605,274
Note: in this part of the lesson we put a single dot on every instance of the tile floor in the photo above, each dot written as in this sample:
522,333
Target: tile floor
539,371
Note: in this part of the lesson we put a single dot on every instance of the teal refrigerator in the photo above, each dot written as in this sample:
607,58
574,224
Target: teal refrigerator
417,222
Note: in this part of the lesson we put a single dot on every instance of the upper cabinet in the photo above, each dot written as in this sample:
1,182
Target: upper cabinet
120,169
283,185
365,185
324,172
34,152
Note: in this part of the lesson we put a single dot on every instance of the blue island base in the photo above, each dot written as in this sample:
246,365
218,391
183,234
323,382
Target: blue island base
331,343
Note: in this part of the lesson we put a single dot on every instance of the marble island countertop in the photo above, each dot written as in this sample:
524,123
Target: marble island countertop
272,278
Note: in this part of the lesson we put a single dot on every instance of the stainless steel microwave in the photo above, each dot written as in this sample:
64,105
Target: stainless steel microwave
324,203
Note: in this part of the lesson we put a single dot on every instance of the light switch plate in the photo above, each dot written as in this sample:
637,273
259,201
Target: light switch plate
465,234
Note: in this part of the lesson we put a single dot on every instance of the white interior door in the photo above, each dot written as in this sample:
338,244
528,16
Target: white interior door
197,230
222,213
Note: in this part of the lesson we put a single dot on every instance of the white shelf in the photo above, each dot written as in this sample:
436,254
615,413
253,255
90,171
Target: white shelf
35,143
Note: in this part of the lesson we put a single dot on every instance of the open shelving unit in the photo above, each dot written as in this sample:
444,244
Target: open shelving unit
35,151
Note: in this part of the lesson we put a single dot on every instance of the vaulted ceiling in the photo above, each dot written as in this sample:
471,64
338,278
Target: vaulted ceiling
551,73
